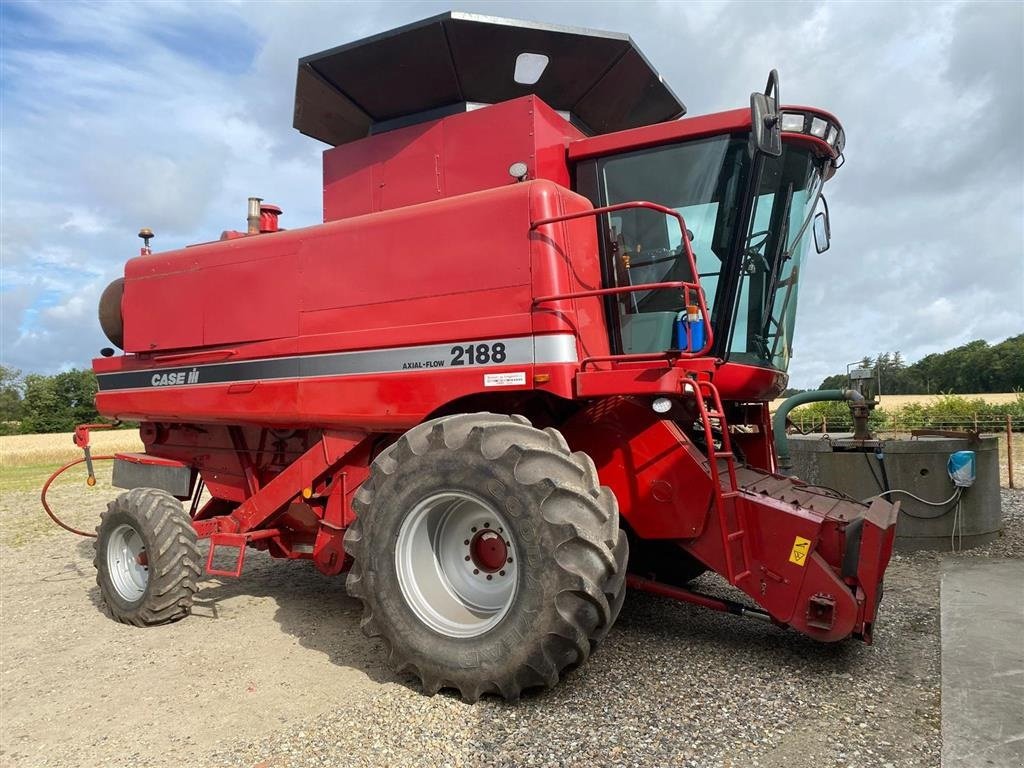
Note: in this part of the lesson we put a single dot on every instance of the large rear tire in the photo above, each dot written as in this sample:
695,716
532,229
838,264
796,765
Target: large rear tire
487,556
147,561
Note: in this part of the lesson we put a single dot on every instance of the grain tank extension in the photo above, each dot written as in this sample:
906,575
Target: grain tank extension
523,363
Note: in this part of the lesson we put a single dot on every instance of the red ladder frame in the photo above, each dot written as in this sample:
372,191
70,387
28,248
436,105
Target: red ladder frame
735,537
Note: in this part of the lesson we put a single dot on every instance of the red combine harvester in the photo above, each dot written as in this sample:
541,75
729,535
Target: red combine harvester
523,364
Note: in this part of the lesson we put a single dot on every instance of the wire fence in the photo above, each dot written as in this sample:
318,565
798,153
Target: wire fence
1008,429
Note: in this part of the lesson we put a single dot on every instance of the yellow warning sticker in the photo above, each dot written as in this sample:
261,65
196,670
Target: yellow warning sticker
800,549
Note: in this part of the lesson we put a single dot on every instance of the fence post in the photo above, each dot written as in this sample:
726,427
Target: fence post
1009,449
975,421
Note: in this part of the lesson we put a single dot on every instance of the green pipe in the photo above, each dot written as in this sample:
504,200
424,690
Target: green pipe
779,420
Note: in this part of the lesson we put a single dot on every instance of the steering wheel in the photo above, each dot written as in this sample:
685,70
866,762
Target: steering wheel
660,255
752,253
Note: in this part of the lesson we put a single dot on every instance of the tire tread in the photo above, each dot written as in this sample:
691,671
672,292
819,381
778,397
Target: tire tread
590,558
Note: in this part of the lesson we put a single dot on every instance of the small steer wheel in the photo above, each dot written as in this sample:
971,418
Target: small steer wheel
147,562
486,555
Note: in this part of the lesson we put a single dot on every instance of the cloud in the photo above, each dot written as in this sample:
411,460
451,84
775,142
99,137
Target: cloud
117,116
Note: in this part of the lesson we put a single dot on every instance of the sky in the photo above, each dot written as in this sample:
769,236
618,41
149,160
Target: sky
169,115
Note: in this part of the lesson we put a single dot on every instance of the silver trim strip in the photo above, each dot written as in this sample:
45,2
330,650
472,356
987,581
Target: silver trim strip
514,351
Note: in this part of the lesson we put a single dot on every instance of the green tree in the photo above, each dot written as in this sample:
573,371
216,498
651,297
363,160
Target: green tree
58,403
77,389
972,367
11,385
42,409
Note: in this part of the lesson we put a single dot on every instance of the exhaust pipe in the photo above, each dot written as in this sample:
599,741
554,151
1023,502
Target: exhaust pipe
253,219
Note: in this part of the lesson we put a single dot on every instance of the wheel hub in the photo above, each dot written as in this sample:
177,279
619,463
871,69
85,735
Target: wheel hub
457,564
488,551
127,563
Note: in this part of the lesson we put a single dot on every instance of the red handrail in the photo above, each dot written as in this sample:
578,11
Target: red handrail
709,337
618,289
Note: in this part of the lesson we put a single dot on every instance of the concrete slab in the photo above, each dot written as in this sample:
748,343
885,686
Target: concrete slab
982,663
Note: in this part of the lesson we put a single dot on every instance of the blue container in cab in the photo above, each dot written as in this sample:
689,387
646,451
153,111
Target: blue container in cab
689,319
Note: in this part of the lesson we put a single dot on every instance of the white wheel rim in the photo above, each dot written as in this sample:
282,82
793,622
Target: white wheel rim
457,564
127,563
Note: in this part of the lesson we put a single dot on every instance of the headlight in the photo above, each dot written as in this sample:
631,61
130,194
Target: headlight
661,405
792,121
819,127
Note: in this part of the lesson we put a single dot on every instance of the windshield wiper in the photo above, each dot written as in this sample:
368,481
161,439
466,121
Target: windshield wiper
776,264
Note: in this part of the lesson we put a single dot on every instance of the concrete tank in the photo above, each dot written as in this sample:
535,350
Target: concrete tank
917,465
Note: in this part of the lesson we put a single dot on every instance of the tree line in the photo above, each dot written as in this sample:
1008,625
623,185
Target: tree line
36,403
976,368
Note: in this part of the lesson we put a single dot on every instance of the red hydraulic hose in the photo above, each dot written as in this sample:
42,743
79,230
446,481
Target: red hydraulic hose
46,487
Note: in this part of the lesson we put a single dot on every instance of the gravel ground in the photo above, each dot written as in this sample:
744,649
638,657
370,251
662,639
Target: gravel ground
272,672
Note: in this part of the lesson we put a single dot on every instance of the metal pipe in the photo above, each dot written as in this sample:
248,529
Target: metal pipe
688,596
803,398
253,219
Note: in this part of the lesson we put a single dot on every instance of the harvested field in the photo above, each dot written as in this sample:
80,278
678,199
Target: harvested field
888,402
57,448
892,402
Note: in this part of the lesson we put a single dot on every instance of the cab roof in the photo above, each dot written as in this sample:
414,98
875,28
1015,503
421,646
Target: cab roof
455,62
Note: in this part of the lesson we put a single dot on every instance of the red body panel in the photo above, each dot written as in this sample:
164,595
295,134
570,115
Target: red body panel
453,271
463,153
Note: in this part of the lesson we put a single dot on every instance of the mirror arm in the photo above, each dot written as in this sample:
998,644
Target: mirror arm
772,87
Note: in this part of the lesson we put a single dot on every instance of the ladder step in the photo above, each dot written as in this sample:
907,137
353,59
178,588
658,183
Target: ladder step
741,576
715,414
729,494
724,455
737,535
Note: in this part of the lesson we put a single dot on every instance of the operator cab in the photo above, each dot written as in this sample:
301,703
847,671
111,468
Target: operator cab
748,216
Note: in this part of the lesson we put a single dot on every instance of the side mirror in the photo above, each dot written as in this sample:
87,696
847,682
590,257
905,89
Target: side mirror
765,120
822,229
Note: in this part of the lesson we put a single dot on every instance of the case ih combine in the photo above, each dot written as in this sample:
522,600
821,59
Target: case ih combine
523,364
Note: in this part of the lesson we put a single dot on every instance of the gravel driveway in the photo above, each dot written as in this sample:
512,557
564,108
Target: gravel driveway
271,670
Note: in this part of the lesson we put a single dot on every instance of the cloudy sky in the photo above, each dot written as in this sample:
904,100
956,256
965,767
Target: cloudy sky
169,115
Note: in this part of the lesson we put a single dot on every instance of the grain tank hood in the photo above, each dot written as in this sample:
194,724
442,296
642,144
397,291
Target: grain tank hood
457,61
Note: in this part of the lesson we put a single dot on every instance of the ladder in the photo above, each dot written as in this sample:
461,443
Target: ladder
725,488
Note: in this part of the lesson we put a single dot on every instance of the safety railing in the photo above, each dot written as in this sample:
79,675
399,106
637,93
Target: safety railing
689,289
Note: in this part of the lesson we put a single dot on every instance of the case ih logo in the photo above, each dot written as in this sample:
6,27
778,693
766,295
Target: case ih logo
178,377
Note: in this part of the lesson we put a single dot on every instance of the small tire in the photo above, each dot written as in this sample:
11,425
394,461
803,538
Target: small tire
564,555
147,561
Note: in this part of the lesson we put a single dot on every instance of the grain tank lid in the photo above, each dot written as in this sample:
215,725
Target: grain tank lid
447,63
